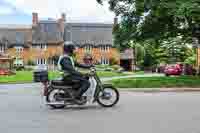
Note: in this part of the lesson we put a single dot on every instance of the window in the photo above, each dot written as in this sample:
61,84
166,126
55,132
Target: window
19,37
41,62
43,46
105,48
68,35
2,48
18,62
49,27
19,49
40,46
105,61
88,48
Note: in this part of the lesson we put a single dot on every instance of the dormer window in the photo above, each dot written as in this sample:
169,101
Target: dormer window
2,48
19,37
19,49
68,35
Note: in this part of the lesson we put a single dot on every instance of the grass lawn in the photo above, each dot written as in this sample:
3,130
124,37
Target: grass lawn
27,76
157,82
23,77
110,74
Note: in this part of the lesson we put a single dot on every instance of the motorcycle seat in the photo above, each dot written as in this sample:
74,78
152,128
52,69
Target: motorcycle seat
61,82
58,82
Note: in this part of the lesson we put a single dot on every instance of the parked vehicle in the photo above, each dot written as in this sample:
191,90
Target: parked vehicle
60,94
176,69
6,72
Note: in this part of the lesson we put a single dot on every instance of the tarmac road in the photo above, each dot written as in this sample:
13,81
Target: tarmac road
22,110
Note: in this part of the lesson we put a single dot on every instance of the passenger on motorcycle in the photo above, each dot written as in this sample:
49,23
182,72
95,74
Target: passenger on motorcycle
66,63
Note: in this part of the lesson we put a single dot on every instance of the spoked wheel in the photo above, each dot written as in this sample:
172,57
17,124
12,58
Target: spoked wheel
54,98
108,97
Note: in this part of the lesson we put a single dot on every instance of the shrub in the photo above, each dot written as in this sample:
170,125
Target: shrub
19,68
116,67
109,69
113,61
30,63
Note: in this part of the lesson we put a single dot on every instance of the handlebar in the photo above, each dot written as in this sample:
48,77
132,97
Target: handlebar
93,69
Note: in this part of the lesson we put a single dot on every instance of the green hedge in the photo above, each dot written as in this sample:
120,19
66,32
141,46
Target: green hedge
158,82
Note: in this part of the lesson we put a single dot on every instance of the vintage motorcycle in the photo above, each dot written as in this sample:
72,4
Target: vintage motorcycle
60,94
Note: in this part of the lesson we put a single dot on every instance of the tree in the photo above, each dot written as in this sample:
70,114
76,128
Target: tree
156,26
191,59
158,19
175,49
31,63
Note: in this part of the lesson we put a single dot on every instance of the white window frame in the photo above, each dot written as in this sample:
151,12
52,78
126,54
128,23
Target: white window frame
41,61
17,60
43,46
19,49
108,48
88,48
40,46
2,48
105,48
105,61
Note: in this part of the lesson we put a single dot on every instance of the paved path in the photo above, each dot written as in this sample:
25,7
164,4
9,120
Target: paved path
22,110
133,76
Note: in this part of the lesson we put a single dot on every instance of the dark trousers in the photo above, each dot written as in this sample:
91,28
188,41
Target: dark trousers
84,83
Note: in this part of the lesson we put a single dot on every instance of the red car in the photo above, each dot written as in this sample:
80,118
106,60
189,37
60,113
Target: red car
6,72
173,70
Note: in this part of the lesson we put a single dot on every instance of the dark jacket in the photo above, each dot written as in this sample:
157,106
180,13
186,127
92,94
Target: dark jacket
67,67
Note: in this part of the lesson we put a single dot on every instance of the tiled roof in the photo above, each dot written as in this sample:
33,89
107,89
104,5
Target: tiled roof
14,26
89,33
47,32
15,36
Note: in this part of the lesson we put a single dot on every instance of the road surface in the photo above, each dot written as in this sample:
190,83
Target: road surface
22,110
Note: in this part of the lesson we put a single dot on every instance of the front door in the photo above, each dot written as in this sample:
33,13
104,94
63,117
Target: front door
126,64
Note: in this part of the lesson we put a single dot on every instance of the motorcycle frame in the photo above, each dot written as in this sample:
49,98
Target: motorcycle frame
99,86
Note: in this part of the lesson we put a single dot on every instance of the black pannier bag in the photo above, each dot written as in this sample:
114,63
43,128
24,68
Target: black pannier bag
40,76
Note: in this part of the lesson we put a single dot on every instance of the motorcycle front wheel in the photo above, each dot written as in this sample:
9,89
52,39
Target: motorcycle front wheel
108,97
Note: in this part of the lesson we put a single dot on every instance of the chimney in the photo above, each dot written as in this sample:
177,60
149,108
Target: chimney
61,23
34,18
115,21
63,17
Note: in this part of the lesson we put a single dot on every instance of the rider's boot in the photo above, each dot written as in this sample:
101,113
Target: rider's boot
79,99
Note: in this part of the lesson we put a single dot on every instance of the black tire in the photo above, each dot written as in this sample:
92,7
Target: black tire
48,101
114,103
167,75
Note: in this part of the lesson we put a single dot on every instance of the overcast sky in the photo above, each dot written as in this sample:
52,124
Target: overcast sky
20,11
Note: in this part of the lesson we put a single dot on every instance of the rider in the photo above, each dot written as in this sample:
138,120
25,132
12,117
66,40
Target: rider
67,64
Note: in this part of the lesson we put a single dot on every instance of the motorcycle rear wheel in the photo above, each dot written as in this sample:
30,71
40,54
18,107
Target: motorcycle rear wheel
49,100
